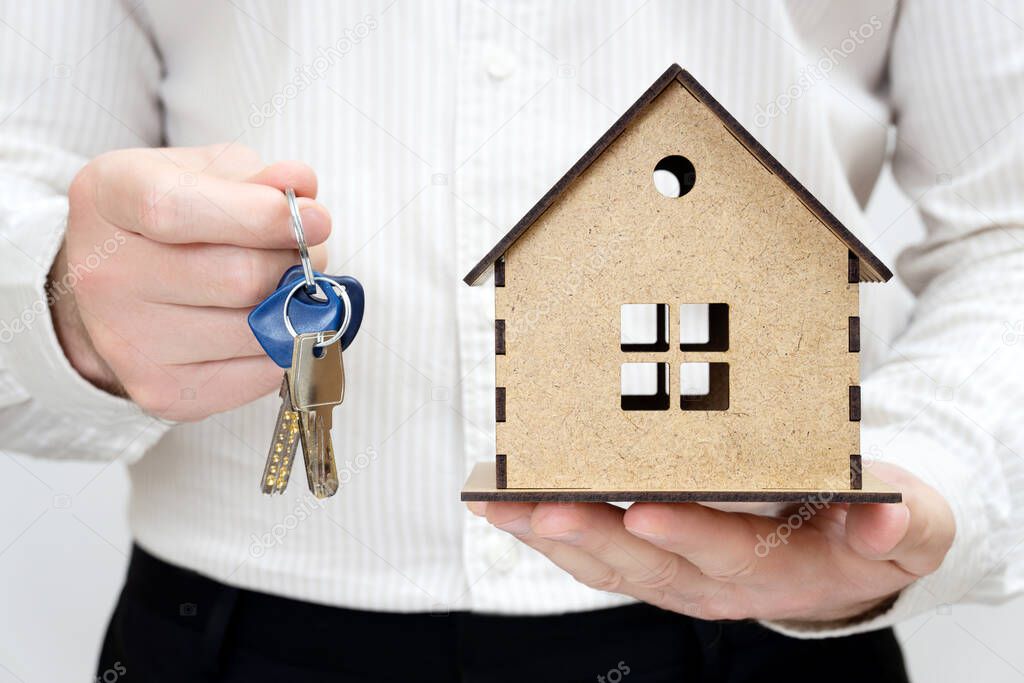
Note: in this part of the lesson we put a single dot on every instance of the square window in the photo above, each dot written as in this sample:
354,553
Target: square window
644,386
694,379
704,327
643,327
704,386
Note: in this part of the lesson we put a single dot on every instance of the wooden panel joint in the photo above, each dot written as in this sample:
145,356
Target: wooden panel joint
499,404
854,325
499,337
854,403
853,269
856,472
500,471
499,272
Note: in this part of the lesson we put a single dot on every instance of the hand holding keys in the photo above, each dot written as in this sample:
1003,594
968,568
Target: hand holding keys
192,258
304,326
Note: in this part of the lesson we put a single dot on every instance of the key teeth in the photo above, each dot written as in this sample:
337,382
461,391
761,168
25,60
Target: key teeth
283,445
321,474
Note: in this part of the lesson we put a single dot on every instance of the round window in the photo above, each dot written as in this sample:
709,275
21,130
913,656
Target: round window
674,176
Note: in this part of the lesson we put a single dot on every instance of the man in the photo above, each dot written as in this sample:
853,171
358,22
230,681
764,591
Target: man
140,150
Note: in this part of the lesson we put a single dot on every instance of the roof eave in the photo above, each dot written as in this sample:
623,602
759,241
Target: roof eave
872,268
620,125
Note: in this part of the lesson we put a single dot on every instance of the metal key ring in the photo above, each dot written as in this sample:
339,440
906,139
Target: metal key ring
344,297
300,238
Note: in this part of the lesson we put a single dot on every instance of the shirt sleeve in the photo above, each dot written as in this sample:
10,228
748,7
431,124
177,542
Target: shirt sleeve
946,403
76,79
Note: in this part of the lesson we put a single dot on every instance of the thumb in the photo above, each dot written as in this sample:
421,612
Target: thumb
316,221
318,256
915,534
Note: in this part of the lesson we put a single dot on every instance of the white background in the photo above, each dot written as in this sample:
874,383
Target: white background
64,544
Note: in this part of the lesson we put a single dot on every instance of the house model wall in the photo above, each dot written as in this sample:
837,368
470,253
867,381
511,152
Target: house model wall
765,399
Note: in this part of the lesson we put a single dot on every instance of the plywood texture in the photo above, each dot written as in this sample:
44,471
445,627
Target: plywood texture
873,271
740,237
481,486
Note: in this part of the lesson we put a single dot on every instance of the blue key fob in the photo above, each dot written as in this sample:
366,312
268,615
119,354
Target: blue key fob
353,288
305,313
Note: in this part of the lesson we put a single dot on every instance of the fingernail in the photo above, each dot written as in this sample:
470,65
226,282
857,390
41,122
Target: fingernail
477,507
316,224
516,527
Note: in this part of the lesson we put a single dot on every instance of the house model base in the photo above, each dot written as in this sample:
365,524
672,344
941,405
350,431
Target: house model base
481,486
677,319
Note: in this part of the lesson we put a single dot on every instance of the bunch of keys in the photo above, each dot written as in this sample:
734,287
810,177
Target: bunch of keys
304,326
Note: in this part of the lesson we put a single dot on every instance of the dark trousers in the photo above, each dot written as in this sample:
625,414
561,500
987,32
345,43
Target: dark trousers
172,624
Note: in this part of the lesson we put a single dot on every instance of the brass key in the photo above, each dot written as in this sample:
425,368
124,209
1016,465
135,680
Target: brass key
316,381
282,446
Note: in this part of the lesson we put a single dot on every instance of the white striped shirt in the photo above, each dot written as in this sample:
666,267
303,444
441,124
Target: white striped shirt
433,127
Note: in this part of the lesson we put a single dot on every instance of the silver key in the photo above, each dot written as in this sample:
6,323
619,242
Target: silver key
318,450
282,446
317,384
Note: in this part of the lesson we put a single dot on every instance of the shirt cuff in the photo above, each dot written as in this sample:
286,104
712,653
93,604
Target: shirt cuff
969,558
98,424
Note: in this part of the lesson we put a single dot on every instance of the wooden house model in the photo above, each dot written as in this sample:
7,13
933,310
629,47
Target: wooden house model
695,346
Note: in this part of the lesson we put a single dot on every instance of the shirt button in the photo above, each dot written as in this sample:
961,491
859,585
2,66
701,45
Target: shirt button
500,64
501,553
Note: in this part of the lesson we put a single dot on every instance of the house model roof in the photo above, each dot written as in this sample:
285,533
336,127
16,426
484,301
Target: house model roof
871,268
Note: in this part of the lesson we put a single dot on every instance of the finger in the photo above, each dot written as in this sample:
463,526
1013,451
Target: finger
318,257
209,333
511,517
230,160
477,507
723,545
598,530
187,392
515,518
150,198
283,174
205,274
235,161
915,535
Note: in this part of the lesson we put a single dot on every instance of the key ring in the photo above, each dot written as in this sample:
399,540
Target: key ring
344,297
300,238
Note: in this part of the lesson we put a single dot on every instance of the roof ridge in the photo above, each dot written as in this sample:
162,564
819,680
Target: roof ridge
873,270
